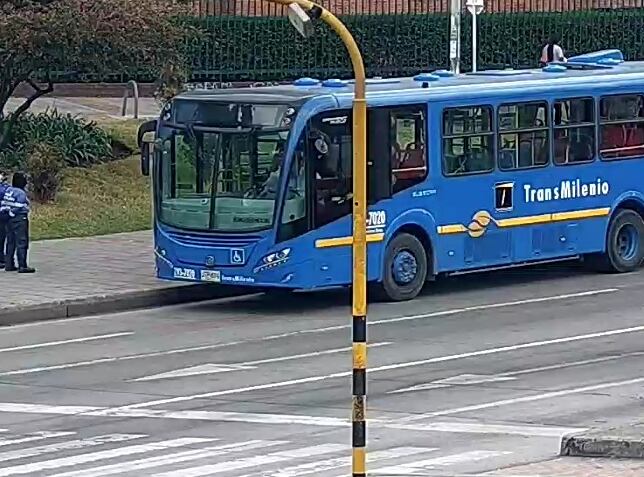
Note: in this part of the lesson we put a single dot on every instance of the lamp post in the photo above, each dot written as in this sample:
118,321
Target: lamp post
301,14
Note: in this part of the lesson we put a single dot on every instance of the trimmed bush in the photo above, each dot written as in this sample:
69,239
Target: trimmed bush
45,165
236,48
257,49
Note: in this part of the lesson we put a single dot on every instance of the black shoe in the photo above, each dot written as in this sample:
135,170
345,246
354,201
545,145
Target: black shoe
26,270
10,269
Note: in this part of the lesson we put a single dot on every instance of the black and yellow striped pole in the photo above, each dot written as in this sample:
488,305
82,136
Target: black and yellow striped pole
299,19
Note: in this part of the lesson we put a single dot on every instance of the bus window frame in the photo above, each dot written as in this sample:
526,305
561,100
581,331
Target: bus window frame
412,110
491,133
594,124
518,131
621,121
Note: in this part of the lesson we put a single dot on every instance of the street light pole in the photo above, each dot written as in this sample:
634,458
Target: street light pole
359,241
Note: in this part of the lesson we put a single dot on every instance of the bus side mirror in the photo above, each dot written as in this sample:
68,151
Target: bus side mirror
145,157
146,146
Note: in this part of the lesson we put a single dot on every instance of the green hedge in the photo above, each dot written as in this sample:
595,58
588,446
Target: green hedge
260,49
267,48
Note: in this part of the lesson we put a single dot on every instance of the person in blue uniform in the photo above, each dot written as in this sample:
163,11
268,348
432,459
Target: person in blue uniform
16,204
4,218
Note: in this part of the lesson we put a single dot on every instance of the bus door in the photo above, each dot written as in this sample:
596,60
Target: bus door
471,193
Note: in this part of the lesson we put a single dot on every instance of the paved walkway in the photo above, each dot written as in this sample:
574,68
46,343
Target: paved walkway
93,108
90,275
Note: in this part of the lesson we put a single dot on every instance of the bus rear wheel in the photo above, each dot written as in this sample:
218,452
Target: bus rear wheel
405,269
624,244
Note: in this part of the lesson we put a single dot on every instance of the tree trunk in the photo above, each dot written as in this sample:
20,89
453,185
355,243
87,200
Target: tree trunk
7,123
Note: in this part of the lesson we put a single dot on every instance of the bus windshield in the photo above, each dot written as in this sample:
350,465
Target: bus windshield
213,180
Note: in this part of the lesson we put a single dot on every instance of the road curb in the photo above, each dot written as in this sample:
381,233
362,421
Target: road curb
619,444
112,303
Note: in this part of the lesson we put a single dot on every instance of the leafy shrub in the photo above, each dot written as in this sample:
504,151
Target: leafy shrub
11,159
81,142
45,165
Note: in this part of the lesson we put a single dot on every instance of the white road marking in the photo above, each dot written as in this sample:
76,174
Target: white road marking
407,364
510,374
36,436
100,455
572,364
169,459
45,408
208,368
330,464
296,419
247,417
459,427
491,306
311,355
62,342
420,467
524,399
256,461
69,445
155,354
460,380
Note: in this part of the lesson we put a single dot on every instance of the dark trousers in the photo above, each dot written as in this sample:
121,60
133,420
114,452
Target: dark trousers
4,224
17,241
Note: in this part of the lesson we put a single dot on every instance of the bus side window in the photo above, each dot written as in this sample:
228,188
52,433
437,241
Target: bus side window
468,140
331,154
621,126
523,135
574,131
408,152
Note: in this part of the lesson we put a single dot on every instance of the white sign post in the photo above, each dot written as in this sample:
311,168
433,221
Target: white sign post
475,7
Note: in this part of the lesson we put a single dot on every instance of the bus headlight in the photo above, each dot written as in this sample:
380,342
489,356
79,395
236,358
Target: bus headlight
280,256
273,259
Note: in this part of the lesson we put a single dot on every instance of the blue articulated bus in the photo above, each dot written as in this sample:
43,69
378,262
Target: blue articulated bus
468,172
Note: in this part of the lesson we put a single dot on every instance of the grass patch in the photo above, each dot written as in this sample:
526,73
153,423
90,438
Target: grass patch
123,131
108,198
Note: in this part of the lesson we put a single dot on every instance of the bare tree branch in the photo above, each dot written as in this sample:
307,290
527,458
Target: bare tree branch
37,94
5,130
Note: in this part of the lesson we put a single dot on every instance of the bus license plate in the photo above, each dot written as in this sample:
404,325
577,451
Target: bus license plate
211,276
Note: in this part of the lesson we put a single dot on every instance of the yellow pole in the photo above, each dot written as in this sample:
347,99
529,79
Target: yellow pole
359,281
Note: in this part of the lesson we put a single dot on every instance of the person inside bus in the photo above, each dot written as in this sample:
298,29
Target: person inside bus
268,189
562,147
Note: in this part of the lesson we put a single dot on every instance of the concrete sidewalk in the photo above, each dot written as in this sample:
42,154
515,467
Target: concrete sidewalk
92,275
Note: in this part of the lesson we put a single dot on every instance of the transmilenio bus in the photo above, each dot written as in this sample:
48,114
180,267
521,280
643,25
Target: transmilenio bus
466,172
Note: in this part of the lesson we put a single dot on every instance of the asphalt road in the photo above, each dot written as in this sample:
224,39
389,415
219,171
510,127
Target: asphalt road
480,374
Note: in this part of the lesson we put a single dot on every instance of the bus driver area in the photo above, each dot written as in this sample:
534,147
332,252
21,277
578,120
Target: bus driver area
467,172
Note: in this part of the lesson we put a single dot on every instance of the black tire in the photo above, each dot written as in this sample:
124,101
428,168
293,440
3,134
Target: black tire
392,290
624,244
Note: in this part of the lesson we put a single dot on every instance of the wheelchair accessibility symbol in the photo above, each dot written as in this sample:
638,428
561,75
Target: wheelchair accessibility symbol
237,256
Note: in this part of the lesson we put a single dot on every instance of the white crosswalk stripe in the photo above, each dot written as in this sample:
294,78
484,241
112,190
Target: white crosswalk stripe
254,461
100,455
331,464
212,456
151,462
420,467
69,445
36,436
